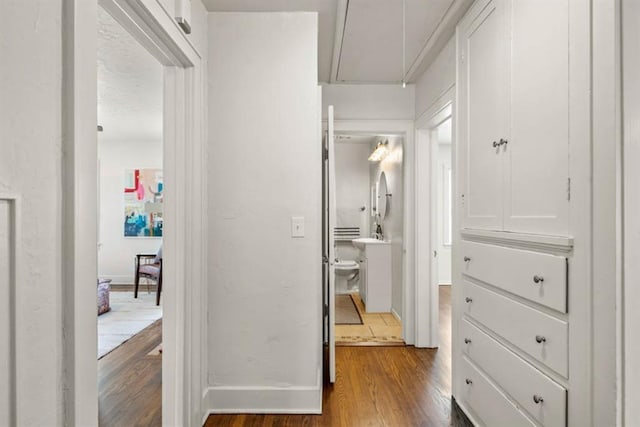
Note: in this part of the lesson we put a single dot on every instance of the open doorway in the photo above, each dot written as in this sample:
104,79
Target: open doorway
184,166
442,235
130,227
368,238
435,222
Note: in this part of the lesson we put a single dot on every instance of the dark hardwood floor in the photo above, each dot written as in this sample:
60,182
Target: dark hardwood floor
379,386
130,382
376,386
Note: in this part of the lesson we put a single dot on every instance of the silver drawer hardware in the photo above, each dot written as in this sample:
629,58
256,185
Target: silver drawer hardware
467,341
503,142
538,279
538,399
468,381
495,144
540,339
467,300
467,259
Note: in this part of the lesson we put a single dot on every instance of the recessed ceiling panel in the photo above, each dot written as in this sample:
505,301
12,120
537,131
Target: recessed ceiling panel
372,42
326,21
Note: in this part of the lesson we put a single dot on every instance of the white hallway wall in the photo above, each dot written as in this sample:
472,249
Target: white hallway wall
369,102
437,79
30,168
265,320
116,253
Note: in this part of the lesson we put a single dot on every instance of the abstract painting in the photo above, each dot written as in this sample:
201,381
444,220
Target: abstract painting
143,191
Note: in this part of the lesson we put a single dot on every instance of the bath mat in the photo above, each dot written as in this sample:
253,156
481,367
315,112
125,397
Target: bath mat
346,311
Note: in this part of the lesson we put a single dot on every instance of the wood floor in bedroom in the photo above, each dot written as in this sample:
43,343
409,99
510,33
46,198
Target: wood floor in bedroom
130,382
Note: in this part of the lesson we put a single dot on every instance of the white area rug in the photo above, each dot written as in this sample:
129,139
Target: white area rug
127,317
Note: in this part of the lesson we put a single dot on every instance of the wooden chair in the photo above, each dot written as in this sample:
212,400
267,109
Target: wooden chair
149,266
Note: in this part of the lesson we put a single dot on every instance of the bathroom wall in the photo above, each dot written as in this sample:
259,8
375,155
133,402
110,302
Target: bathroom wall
352,192
265,289
116,253
392,226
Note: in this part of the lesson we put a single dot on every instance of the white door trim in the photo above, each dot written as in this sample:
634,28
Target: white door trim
629,294
185,208
427,298
405,128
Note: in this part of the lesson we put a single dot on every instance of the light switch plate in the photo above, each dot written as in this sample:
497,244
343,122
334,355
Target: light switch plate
297,226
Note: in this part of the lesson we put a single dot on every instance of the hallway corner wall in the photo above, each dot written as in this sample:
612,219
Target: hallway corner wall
265,289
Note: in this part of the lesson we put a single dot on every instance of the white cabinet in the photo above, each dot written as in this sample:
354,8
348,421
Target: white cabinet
537,277
513,116
375,283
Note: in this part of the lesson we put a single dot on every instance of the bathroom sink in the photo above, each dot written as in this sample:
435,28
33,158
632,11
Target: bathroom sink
363,241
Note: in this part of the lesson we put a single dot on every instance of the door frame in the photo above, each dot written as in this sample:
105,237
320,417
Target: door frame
427,296
405,128
184,153
628,346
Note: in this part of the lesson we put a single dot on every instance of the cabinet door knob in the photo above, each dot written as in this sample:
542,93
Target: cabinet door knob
538,279
540,339
467,259
468,381
467,341
468,300
495,144
538,399
503,141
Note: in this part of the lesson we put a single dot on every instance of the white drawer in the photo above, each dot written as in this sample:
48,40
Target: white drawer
516,377
487,402
538,277
542,336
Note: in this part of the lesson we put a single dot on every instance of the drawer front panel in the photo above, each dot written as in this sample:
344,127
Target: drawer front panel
538,277
543,337
516,377
488,402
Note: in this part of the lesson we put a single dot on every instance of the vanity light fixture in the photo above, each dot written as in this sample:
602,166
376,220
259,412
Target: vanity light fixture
380,152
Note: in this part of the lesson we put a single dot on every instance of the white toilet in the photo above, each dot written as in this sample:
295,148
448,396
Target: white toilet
347,271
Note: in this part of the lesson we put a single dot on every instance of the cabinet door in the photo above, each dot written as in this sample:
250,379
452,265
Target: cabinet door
481,90
536,168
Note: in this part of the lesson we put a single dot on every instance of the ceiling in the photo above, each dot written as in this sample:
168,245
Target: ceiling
129,86
360,41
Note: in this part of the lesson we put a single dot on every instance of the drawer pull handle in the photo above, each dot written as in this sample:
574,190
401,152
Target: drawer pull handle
467,341
502,142
540,339
495,144
538,279
467,259
468,300
468,381
538,399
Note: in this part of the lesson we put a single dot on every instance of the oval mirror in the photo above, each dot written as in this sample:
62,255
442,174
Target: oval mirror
384,197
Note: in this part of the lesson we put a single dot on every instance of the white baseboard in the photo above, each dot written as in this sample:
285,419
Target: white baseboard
396,315
263,399
118,280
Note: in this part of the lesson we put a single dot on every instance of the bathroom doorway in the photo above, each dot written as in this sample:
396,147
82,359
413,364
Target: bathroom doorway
368,238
